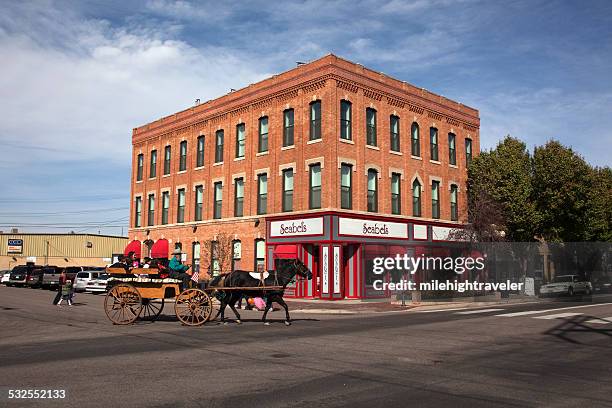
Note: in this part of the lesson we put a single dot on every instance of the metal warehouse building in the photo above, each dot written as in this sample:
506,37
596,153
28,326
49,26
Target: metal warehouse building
58,249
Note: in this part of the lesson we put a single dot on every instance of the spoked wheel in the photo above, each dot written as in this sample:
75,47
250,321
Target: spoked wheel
151,309
122,304
193,307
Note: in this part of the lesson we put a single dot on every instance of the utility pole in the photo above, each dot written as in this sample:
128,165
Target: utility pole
47,254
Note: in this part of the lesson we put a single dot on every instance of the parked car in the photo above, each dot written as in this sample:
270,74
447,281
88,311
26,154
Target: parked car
602,284
84,278
98,285
6,275
51,275
567,285
34,279
20,273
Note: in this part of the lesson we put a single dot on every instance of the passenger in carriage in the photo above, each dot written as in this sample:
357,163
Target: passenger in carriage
178,270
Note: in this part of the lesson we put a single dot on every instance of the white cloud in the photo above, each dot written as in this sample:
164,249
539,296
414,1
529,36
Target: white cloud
85,89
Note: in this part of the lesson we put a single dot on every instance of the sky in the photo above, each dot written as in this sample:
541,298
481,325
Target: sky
77,76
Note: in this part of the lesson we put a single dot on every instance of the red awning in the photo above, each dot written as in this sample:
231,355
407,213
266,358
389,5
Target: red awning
133,246
285,252
160,249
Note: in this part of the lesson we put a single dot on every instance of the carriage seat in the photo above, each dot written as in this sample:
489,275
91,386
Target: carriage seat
146,280
259,276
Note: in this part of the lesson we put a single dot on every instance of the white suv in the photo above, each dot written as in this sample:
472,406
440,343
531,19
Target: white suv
83,279
567,285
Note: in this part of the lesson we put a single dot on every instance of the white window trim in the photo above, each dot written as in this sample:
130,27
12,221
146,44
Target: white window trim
265,171
237,176
375,167
396,170
285,167
316,160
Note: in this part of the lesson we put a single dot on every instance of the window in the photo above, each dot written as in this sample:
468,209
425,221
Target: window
214,258
435,199
138,214
165,207
433,143
167,157
315,186
453,202
139,167
315,120
468,151
260,253
288,128
394,131
183,156
372,190
199,203
345,120
416,198
240,140
219,146
151,208
180,211
153,165
262,193
236,253
263,134
195,260
396,205
239,197
346,191
200,152
370,127
288,190
416,142
218,199
452,151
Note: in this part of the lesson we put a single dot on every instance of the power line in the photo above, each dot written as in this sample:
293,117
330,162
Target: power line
103,197
41,214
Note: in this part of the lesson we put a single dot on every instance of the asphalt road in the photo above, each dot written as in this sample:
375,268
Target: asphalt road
493,357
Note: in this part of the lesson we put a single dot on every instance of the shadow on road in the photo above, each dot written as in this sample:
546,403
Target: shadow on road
575,326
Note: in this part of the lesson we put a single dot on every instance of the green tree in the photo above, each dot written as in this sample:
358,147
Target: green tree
562,183
599,211
504,175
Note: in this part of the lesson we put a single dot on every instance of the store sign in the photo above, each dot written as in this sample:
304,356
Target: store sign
420,231
445,234
325,274
369,228
336,269
294,228
15,246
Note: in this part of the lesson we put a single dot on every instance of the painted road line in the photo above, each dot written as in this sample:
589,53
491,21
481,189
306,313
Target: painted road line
441,310
557,316
600,320
478,311
531,312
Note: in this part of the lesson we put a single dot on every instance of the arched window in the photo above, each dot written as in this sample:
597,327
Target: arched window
372,190
236,253
345,120
195,257
453,202
416,142
260,253
416,198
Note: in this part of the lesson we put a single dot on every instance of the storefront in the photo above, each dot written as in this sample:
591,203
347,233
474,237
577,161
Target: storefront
339,249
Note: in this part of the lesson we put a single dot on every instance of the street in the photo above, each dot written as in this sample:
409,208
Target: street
550,354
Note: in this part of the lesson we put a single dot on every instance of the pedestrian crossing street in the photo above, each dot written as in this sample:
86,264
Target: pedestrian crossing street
544,314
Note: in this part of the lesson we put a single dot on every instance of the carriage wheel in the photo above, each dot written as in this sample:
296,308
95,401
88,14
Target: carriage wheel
193,307
151,309
122,304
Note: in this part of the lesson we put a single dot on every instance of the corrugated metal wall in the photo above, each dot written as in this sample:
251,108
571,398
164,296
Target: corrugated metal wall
68,246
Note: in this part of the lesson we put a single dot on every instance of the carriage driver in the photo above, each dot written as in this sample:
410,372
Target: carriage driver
178,270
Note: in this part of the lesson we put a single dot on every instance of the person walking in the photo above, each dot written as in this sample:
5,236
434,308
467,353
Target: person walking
66,293
62,280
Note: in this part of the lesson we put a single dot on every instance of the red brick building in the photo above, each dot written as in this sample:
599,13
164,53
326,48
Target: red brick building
316,162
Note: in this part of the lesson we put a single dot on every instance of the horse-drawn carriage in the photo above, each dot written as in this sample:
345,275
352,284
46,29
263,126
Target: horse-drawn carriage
141,293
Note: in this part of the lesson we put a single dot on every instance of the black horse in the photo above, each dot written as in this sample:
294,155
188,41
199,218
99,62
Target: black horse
284,273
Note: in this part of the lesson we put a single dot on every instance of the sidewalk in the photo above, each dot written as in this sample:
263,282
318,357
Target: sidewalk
317,306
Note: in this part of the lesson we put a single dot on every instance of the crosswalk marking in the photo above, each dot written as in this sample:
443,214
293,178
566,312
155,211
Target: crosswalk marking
600,320
530,312
478,311
557,316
